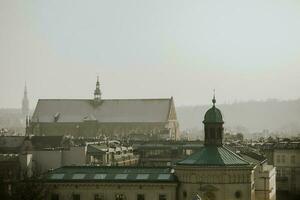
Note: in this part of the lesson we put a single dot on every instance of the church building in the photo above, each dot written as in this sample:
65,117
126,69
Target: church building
116,118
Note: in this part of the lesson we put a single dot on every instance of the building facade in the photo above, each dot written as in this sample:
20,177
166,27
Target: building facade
285,156
112,183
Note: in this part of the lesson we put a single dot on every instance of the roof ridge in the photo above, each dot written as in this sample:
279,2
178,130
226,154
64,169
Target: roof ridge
107,99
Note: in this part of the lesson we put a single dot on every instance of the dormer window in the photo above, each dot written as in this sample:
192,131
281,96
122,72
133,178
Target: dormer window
56,116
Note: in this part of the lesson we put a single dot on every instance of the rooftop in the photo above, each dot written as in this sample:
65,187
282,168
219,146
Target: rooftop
108,111
214,156
111,174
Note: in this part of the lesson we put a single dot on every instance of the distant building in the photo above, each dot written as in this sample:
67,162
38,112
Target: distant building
285,156
25,103
110,155
51,152
165,153
115,118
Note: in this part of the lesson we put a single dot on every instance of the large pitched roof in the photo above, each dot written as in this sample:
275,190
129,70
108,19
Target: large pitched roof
108,111
111,174
214,156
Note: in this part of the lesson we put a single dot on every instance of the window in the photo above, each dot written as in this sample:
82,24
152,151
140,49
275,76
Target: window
54,197
283,158
162,197
99,197
212,133
76,196
238,194
278,158
120,197
293,158
278,172
140,197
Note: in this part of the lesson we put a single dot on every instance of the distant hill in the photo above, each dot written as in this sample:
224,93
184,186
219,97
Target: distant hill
252,116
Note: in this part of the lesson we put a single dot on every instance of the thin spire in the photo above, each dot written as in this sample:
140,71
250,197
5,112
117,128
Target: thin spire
97,92
25,89
214,98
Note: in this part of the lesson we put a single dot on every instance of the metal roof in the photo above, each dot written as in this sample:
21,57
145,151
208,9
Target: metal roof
111,174
108,111
214,156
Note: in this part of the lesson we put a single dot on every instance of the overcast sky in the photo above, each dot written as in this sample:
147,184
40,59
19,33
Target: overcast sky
150,49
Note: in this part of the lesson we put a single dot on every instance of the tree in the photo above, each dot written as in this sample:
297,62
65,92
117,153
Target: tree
30,188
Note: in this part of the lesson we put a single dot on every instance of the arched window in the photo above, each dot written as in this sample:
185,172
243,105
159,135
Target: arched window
212,133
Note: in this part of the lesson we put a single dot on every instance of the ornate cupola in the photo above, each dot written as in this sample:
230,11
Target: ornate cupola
97,92
213,126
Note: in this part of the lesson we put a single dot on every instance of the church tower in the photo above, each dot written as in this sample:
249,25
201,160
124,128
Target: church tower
25,103
213,126
97,92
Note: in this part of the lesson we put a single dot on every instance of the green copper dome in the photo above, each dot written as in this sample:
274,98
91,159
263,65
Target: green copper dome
213,115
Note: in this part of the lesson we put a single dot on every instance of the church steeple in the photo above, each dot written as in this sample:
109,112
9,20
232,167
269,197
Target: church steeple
25,103
213,125
97,92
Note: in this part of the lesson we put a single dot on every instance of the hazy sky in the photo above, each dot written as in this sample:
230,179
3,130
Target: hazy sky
150,49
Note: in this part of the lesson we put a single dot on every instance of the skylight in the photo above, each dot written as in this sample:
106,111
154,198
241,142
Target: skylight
142,176
57,176
121,176
99,176
78,176
163,176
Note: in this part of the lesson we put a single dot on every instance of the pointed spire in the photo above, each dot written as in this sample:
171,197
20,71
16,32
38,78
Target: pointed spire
214,98
25,102
97,92
25,89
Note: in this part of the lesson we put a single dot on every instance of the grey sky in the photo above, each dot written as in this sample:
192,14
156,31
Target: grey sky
150,49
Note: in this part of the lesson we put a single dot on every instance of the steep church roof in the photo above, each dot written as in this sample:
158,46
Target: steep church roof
108,111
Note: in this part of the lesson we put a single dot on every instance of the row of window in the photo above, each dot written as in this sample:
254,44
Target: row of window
117,197
281,159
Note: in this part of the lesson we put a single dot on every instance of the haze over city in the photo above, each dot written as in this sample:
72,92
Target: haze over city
245,50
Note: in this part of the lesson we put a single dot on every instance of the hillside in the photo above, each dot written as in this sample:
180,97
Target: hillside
252,116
